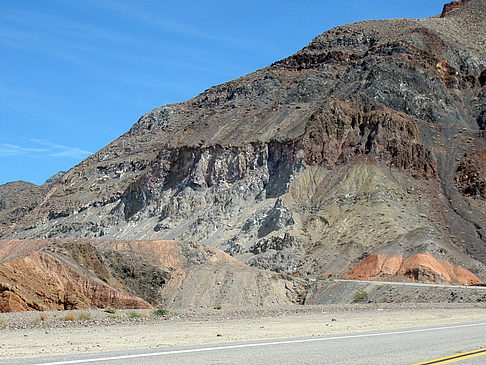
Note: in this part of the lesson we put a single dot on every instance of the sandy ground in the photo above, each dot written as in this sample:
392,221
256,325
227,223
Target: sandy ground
222,327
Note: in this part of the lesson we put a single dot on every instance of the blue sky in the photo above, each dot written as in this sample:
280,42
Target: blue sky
76,74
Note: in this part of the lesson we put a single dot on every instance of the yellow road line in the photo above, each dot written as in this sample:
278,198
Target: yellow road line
454,358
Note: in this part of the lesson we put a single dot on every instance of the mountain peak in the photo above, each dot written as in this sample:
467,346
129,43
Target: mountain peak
452,6
369,142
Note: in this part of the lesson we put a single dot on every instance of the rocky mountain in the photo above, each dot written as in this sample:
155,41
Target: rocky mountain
364,148
61,274
18,198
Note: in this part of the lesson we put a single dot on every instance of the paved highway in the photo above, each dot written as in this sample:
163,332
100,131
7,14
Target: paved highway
391,347
406,283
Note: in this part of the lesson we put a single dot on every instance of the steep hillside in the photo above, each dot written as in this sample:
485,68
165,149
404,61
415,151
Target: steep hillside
369,139
18,198
76,274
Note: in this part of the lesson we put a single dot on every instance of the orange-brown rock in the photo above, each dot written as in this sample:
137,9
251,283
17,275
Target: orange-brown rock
11,302
426,268
13,249
375,266
75,274
43,282
422,267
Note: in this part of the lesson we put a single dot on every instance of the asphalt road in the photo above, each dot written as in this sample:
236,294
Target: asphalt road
391,347
406,283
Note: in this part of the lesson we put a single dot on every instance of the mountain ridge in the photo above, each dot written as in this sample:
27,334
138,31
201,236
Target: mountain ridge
367,140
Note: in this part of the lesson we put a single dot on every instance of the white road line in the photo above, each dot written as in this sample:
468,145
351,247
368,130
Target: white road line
258,344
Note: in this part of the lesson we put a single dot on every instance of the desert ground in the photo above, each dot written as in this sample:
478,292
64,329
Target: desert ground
28,335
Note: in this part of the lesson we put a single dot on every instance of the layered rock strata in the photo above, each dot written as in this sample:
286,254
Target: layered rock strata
368,138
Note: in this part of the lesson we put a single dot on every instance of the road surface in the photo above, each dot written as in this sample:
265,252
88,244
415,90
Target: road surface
390,347
406,283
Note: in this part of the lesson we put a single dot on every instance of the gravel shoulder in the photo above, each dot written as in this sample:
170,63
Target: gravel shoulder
25,335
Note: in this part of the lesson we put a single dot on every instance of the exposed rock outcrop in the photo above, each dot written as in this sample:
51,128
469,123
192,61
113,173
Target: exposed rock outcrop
76,274
422,267
471,175
453,5
42,282
368,138
17,199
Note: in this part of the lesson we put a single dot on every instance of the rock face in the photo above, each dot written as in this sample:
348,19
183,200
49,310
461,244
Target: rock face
471,175
421,267
368,139
76,274
16,199
450,7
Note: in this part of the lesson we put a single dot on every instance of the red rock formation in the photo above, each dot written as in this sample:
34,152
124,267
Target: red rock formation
76,274
42,282
426,268
11,302
470,176
340,133
375,267
421,267
454,5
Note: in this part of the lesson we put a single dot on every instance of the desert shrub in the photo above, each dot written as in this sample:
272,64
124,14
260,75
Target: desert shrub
69,317
218,307
159,311
84,316
360,296
110,309
133,315
43,316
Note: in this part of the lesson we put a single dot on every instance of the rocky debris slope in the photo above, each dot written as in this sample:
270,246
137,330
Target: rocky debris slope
454,5
16,199
368,138
77,274
338,292
471,175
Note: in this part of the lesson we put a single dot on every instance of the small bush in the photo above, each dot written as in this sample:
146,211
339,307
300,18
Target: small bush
218,307
84,316
42,317
160,312
110,309
133,315
69,317
360,296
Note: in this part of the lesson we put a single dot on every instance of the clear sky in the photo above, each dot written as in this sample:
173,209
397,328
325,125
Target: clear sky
76,74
